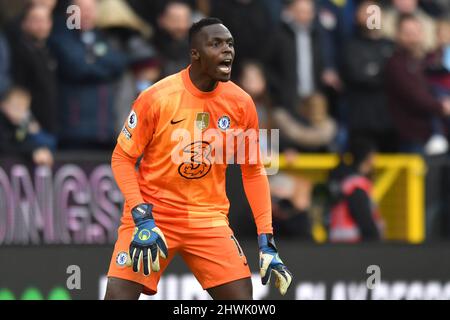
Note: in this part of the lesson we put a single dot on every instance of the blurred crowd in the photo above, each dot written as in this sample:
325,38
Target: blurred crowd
322,71
327,73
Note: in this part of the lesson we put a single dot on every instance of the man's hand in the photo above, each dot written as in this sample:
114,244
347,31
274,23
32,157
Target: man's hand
269,262
43,157
148,241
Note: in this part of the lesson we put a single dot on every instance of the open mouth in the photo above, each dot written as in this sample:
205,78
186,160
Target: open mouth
225,66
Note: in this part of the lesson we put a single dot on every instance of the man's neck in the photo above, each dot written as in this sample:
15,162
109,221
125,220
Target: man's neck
200,82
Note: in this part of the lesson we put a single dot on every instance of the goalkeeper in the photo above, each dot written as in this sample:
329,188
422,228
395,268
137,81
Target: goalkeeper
180,207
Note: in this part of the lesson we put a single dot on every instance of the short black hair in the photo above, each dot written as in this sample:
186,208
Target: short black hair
199,25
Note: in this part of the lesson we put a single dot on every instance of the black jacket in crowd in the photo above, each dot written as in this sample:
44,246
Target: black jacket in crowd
250,24
34,68
363,64
281,60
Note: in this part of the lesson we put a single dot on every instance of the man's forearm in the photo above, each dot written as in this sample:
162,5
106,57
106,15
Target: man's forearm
257,190
123,167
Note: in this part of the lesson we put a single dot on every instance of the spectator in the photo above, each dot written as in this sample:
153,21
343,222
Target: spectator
120,22
438,71
407,7
252,79
309,129
249,22
411,104
171,37
4,65
88,68
291,200
21,133
298,59
144,71
438,62
34,67
128,33
15,10
354,217
368,115
151,10
337,18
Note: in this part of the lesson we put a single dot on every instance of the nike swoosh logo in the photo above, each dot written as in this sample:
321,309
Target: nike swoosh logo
175,122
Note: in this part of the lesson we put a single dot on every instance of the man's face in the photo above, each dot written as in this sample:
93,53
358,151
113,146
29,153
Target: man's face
51,4
410,35
253,80
215,51
16,107
362,16
177,20
405,6
302,11
38,23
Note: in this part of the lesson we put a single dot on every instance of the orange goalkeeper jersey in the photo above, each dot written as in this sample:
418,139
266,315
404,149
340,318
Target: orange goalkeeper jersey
183,135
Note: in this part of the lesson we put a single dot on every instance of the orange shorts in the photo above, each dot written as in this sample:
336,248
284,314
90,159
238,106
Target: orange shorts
212,254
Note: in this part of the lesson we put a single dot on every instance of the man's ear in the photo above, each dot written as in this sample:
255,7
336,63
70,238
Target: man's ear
195,55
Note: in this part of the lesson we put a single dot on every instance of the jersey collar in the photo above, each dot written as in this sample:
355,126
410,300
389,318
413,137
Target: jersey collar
194,90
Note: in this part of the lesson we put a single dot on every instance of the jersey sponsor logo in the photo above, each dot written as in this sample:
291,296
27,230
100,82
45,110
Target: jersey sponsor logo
224,122
126,133
202,120
177,121
199,162
132,120
122,258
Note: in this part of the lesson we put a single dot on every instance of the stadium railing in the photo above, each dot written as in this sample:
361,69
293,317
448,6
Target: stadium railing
399,191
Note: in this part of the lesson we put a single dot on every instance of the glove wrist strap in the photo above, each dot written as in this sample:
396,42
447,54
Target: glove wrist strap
267,240
142,212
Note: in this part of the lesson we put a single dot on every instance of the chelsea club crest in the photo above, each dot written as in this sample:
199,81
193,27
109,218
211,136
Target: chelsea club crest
224,122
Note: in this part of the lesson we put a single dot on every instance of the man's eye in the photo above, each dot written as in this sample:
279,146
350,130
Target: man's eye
231,44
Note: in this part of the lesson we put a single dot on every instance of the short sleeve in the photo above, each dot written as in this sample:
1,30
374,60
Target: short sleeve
139,127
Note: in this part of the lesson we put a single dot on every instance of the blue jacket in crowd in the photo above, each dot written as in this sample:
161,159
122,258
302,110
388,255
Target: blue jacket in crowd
88,67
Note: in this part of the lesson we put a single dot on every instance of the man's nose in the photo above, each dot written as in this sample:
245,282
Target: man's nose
227,48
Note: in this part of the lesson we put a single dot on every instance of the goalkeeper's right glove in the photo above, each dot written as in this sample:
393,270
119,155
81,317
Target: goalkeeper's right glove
148,241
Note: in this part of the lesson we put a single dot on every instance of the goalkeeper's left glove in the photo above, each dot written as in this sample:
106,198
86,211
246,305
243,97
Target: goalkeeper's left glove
269,262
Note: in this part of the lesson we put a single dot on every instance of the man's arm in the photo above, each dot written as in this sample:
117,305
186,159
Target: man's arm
148,242
359,207
256,187
124,169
